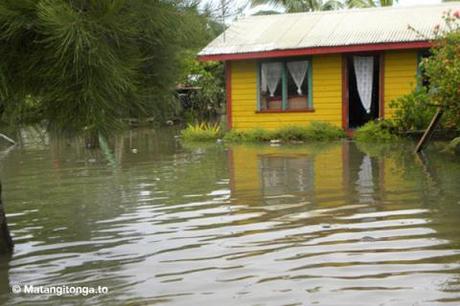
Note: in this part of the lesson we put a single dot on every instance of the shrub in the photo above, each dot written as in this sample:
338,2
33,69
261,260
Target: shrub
206,101
201,132
255,135
412,111
443,68
258,135
324,131
291,133
376,131
314,131
234,136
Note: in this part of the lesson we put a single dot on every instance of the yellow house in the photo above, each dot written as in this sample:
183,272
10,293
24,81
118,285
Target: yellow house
342,67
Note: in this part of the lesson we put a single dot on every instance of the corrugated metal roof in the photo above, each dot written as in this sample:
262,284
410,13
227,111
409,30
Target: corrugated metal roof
329,29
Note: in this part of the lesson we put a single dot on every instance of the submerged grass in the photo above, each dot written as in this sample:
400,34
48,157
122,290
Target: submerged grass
314,131
201,132
376,131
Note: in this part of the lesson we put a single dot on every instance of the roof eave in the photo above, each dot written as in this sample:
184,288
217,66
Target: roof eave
317,51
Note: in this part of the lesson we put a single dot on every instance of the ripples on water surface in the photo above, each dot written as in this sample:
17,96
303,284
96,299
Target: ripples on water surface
244,225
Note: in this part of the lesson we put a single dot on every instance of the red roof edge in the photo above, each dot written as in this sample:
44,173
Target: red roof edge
317,50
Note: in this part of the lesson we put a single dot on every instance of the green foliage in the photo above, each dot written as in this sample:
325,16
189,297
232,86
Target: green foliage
292,133
454,146
293,6
323,5
89,63
376,131
369,3
201,132
254,135
315,131
443,69
415,110
412,111
208,96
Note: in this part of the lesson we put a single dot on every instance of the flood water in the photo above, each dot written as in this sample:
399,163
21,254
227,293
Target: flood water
175,224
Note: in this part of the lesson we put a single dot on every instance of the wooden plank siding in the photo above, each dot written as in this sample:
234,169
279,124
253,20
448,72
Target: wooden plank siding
327,96
400,76
400,68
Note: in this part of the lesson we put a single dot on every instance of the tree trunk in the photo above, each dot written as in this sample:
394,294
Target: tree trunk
6,243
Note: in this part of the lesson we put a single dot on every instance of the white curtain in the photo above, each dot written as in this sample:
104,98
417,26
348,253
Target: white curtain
298,71
271,75
364,70
365,183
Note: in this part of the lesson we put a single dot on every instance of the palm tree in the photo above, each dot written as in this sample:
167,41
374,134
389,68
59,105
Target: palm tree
293,6
369,3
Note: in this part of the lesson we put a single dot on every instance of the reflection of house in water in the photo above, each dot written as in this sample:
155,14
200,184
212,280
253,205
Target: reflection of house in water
280,174
264,172
331,175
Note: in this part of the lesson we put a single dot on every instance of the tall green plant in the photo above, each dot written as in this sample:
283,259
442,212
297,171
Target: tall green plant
303,5
369,3
324,5
443,68
412,111
86,64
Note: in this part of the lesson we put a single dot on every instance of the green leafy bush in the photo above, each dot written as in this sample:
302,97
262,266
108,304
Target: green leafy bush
291,133
201,132
254,135
208,98
324,131
314,131
412,111
376,131
88,64
443,69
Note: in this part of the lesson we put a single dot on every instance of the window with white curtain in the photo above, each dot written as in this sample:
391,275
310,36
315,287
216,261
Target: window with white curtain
284,85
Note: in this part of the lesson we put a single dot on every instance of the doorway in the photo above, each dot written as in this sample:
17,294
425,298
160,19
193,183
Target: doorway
364,88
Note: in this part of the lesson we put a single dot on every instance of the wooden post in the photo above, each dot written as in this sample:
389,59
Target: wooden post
429,131
6,242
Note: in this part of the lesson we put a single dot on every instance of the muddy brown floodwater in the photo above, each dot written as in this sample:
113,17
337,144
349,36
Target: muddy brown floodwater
175,224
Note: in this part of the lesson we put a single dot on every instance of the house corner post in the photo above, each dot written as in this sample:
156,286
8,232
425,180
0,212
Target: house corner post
228,91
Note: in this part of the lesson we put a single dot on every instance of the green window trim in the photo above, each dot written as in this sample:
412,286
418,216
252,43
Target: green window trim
310,84
284,88
284,82
259,67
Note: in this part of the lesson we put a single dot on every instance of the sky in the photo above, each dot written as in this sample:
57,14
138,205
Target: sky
234,4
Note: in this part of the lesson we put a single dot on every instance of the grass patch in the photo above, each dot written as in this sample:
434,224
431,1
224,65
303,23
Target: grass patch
201,132
314,131
255,135
376,131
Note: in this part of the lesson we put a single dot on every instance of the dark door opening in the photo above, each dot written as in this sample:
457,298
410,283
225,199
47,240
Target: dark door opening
357,114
